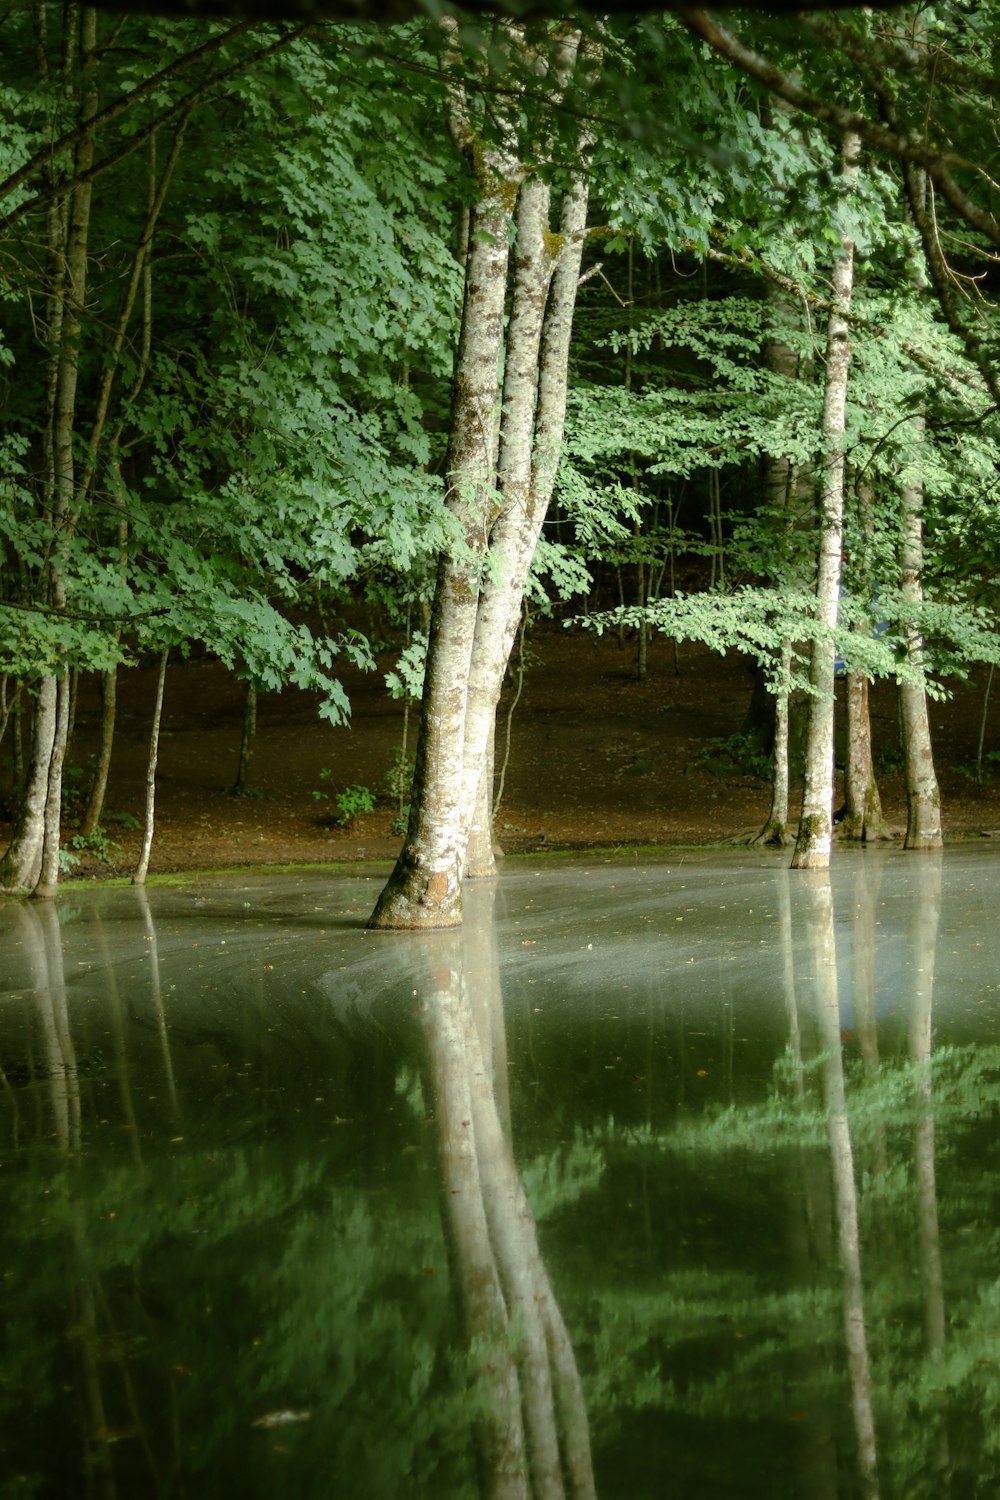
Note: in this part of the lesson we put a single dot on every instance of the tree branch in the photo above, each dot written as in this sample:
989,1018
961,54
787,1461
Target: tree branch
118,107
905,146
182,107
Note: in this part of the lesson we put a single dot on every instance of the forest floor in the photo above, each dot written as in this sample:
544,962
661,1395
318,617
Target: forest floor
597,758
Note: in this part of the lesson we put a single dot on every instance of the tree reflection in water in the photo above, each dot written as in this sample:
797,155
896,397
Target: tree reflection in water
532,1432
244,1146
817,916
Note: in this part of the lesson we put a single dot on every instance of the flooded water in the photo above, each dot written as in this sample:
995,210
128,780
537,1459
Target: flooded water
674,1179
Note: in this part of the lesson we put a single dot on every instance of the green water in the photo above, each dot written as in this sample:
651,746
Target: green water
661,1179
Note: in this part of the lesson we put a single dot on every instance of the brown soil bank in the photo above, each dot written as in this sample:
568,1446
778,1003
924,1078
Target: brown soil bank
596,758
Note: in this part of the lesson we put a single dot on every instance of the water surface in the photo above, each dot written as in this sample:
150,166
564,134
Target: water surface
675,1177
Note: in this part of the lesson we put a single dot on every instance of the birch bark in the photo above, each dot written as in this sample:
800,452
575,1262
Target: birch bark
812,848
500,483
21,863
527,477
923,799
149,820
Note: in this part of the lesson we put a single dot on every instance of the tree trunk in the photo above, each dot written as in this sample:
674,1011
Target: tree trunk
812,848
923,799
775,830
248,739
139,878
783,481
98,787
424,889
68,270
862,819
23,859
48,874
526,490
478,603
482,850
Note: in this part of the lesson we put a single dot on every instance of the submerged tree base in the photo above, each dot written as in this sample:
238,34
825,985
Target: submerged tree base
416,896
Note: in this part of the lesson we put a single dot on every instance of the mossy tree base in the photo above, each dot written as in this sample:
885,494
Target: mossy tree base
418,896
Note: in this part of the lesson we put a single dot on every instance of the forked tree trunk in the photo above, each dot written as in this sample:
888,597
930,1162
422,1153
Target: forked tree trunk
923,799
529,458
862,819
424,888
478,598
48,874
812,848
68,268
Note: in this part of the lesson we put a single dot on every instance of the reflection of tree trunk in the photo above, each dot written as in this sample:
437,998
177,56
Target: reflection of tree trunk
40,935
118,1036
923,943
866,890
499,1434
43,944
819,913
816,1448
534,1439
156,994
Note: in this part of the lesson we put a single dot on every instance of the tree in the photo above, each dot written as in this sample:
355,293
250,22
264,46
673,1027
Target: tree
236,426
504,444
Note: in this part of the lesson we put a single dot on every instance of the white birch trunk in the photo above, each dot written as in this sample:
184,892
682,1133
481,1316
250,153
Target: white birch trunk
61,502
149,820
482,850
477,607
923,799
424,889
48,873
812,848
527,472
23,859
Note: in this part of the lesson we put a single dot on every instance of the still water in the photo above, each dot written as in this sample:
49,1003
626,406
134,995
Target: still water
672,1178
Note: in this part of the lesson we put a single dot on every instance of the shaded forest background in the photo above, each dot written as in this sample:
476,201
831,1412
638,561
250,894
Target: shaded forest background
597,758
